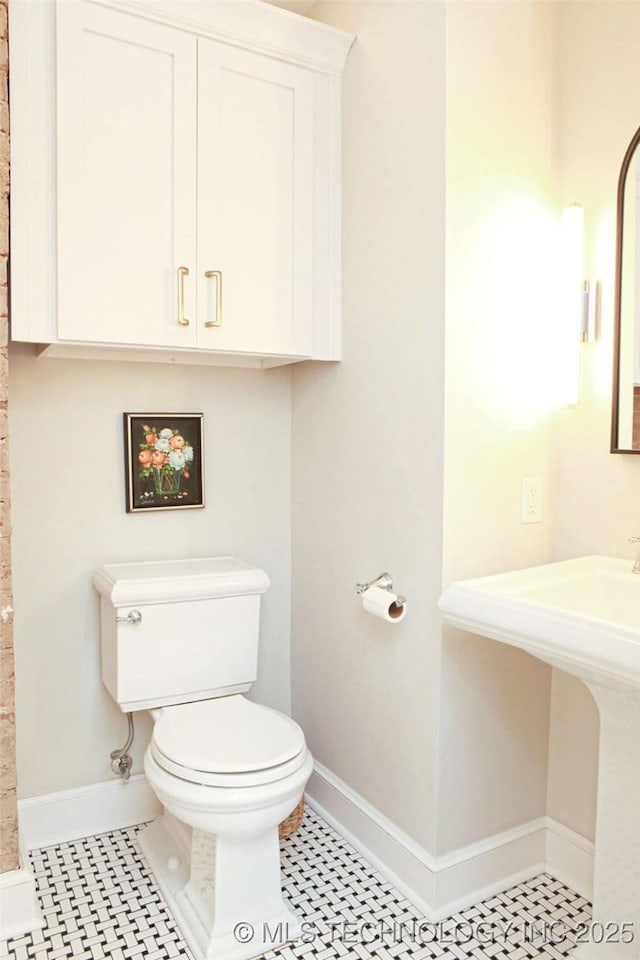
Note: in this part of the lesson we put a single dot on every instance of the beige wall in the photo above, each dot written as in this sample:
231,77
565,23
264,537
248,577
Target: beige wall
69,517
597,494
367,434
599,90
501,223
521,83
461,746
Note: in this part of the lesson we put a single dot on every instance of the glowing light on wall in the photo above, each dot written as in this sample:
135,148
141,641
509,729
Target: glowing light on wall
571,304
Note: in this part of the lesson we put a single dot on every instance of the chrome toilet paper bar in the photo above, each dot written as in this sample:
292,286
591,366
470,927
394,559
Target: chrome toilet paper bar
383,582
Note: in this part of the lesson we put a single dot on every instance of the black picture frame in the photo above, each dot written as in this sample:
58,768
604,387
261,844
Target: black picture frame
163,461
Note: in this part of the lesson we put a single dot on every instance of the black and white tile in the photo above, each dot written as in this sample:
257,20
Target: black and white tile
100,901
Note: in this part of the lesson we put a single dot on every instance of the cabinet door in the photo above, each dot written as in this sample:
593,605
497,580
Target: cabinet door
126,149
255,194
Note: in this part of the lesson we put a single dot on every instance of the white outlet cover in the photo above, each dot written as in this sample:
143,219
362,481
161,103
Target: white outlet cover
531,500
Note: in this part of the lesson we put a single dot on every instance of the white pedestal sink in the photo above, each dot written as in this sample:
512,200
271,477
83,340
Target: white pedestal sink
583,616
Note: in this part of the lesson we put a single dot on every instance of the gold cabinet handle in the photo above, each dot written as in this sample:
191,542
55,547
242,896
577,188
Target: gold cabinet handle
182,273
217,275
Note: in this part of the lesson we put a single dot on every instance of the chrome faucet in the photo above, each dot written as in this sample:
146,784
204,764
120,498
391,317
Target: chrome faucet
636,563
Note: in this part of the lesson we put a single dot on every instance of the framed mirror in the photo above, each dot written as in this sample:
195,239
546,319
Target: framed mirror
625,421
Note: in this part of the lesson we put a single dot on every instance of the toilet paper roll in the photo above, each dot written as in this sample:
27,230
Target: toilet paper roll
381,603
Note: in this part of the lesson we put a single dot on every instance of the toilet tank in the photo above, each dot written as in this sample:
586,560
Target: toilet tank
174,631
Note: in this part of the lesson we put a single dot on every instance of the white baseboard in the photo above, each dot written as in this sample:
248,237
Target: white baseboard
437,886
408,866
86,811
482,869
19,907
570,858
440,886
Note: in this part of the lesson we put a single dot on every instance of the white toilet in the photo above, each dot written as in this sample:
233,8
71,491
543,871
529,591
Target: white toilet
180,638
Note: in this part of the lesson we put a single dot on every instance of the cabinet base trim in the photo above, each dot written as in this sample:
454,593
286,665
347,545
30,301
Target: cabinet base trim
207,358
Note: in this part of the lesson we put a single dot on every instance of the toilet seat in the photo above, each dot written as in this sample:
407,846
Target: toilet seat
228,741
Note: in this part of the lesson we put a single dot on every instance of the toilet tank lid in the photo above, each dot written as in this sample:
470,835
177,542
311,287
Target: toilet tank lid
167,581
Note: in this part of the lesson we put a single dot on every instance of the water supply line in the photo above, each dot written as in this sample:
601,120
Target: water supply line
121,761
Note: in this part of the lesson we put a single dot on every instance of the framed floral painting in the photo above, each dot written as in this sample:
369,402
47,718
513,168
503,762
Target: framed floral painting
163,461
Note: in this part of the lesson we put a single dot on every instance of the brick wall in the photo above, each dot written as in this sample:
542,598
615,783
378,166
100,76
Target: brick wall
8,802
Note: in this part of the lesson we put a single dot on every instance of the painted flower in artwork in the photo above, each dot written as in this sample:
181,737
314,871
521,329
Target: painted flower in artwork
177,459
164,456
158,458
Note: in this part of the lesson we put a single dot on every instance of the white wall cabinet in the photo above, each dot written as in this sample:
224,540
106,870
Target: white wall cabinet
255,202
126,176
175,191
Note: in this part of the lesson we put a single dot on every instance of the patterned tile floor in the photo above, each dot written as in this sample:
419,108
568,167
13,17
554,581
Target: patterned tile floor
100,901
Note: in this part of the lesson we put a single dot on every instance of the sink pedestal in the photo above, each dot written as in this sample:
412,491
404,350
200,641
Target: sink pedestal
583,616
616,881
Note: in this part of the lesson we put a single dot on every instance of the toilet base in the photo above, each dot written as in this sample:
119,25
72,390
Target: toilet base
236,920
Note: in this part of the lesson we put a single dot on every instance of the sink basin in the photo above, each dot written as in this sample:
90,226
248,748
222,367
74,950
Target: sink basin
581,615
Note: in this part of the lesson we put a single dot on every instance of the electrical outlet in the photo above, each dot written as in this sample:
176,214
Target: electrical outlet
532,500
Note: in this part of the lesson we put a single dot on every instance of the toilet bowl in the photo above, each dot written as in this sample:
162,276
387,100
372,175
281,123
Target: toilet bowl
180,638
227,766
231,770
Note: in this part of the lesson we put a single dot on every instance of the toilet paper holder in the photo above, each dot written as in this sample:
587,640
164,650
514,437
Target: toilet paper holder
384,582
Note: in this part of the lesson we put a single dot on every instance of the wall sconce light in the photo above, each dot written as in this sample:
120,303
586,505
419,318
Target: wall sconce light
590,311
579,300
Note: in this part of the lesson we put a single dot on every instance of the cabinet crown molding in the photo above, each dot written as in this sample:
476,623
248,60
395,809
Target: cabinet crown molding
252,25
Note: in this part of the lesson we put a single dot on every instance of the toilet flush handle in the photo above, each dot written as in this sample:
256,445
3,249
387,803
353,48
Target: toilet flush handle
134,616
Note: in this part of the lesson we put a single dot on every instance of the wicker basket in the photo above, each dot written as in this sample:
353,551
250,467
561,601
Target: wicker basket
293,822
